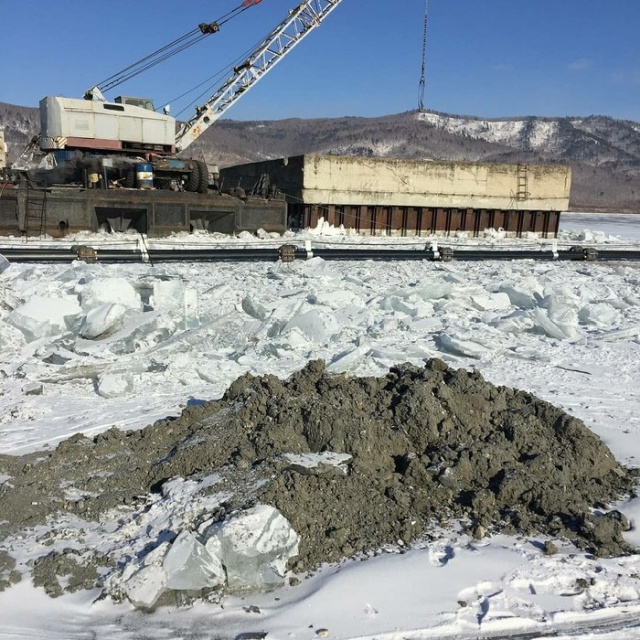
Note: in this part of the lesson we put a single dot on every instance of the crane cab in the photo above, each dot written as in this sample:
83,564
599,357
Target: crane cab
144,103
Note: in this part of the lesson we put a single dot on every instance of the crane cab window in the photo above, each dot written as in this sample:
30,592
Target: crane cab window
136,102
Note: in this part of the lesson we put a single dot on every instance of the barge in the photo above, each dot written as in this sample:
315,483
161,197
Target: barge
367,195
413,197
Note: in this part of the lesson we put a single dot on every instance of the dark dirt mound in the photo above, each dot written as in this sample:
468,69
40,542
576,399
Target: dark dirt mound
428,445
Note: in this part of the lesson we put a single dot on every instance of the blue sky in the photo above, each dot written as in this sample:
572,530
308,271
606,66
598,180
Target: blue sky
490,58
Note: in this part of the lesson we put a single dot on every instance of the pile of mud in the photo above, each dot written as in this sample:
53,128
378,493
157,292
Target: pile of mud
428,446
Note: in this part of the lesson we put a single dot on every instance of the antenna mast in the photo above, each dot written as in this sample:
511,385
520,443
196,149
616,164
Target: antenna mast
421,108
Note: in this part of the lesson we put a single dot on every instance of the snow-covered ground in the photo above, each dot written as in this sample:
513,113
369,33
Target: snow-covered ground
180,333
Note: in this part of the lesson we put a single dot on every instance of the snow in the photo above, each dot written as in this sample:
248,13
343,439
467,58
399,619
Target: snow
538,132
126,345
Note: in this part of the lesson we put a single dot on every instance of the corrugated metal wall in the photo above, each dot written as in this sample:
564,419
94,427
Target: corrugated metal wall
411,221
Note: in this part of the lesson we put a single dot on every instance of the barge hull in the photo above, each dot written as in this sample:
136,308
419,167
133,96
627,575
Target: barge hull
57,211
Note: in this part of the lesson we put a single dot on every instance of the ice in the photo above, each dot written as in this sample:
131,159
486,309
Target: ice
491,301
526,294
138,331
4,263
600,314
517,322
253,308
563,315
460,346
176,302
333,299
101,320
146,580
347,360
254,547
543,324
114,385
145,586
109,290
435,290
394,303
42,317
318,325
10,338
189,566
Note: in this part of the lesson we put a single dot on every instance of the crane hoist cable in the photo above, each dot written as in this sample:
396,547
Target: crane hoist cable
212,81
172,48
422,84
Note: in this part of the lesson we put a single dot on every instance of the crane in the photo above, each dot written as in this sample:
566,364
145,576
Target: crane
129,127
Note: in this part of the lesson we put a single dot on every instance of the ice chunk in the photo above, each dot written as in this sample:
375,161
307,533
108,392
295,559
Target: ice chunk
114,385
435,290
4,263
101,320
491,301
524,295
41,317
190,567
168,296
10,338
348,359
176,301
461,346
517,322
337,299
145,586
600,314
140,330
254,547
565,316
254,308
543,324
394,303
318,325
623,334
110,290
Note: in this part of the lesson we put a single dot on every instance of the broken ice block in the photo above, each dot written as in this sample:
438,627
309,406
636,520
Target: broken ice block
41,317
145,586
254,547
101,320
114,385
110,290
189,566
318,325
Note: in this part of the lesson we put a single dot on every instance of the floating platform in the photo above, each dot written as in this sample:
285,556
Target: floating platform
412,197
58,211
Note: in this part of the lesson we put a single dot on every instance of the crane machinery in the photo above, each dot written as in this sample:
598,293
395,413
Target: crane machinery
127,143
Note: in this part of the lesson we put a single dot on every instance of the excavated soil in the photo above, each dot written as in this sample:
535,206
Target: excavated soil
430,445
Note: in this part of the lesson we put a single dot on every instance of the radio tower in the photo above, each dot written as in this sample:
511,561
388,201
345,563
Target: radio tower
421,108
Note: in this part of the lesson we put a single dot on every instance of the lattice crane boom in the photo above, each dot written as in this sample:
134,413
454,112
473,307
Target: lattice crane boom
298,24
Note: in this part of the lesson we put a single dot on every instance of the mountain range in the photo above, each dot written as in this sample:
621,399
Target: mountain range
603,152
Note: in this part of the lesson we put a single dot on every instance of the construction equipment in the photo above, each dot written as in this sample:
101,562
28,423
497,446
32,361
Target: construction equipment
126,143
